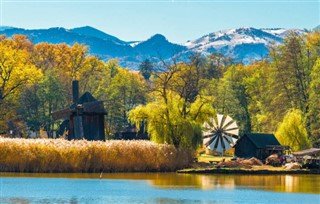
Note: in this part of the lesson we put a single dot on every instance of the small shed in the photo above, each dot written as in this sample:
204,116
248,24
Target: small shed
131,133
258,145
84,119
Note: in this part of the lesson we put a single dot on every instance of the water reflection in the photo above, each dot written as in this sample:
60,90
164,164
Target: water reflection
278,183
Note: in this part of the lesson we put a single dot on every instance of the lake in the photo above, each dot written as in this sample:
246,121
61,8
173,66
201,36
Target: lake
158,188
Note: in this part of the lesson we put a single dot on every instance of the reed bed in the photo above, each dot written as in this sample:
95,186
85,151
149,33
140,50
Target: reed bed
59,155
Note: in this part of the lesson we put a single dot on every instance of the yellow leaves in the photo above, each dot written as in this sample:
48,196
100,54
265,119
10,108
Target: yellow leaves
202,109
313,41
292,131
16,70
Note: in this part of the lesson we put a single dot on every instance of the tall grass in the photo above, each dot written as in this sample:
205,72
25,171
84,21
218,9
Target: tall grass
58,155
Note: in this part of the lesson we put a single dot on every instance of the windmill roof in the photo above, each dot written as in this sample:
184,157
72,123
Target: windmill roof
85,98
261,140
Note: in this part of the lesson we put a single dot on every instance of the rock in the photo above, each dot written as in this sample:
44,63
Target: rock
292,166
273,160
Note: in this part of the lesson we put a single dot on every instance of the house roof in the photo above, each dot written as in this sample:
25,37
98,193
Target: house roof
261,140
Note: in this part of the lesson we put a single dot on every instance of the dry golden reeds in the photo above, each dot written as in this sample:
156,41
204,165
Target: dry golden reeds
58,155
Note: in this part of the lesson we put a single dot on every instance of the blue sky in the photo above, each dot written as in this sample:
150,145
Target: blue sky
178,20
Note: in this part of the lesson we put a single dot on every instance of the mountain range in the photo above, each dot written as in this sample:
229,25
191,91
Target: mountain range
242,44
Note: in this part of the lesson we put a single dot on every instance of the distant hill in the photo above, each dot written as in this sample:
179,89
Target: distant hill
158,46
93,32
243,44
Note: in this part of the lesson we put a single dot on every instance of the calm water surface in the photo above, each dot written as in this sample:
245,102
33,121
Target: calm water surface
158,188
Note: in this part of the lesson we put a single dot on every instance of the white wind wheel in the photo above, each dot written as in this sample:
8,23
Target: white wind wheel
220,133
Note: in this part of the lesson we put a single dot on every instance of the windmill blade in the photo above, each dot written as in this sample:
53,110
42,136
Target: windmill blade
228,138
219,147
231,126
232,129
234,140
206,140
226,122
233,132
226,144
61,114
213,143
231,137
211,140
208,134
220,118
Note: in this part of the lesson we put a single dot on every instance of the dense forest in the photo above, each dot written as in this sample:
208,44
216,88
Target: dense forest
280,94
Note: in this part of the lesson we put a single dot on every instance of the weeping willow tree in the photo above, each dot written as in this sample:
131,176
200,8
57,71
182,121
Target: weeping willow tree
292,131
165,123
178,108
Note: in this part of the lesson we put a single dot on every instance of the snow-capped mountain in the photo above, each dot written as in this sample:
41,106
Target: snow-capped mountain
242,44
129,54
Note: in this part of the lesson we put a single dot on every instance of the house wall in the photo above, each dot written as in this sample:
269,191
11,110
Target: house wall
245,148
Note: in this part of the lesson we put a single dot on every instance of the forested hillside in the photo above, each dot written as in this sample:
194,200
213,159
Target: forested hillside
280,94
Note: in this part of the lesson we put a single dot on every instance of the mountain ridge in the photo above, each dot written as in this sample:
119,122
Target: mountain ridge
244,44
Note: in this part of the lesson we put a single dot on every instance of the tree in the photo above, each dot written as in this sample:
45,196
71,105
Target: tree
29,107
314,104
52,97
215,66
165,124
146,68
291,72
125,90
231,96
16,71
177,110
292,131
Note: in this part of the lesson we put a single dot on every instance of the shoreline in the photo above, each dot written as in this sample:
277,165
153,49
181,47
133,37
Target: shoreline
245,171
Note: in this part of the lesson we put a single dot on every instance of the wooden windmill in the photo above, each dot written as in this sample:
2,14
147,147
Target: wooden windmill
84,119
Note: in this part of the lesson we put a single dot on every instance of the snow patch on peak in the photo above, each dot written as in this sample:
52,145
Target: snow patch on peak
244,42
135,43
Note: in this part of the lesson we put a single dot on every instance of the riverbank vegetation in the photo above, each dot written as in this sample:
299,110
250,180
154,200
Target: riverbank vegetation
58,155
169,99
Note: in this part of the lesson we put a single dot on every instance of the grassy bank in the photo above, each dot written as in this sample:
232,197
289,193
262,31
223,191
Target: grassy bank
58,155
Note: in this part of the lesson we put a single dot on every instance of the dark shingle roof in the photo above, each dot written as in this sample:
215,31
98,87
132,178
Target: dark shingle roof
85,98
260,140
89,104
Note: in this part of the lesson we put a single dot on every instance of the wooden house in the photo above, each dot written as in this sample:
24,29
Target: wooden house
84,119
258,145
